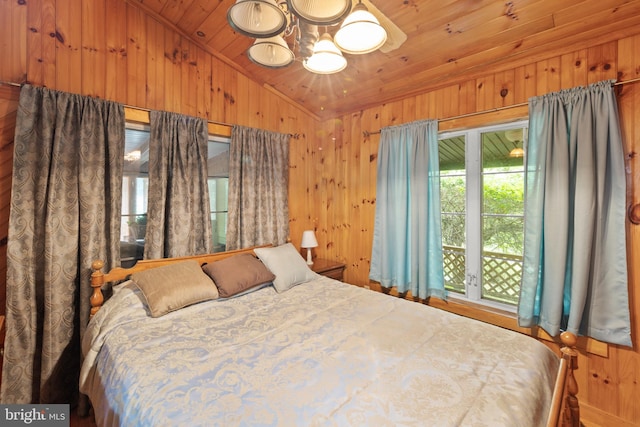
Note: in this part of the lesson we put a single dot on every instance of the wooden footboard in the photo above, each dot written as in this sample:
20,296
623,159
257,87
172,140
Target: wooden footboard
565,410
118,274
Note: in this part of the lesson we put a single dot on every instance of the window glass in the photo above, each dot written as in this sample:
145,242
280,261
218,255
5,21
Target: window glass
218,169
135,185
482,194
453,200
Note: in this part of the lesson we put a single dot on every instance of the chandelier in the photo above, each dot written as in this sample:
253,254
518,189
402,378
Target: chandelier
270,23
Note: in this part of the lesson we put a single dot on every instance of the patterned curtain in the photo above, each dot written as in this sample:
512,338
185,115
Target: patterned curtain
178,215
65,213
258,188
575,260
407,233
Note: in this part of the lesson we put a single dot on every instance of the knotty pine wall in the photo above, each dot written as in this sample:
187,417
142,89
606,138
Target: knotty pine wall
109,49
342,172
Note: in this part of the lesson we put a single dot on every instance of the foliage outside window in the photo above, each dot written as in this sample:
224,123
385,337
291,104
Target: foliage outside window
482,197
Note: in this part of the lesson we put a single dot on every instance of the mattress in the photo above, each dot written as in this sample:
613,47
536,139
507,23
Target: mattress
323,353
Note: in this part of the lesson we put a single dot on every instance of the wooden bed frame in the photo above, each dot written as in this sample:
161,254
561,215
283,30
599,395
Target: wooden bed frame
565,410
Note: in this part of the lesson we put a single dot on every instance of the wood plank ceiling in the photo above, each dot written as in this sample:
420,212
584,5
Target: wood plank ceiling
446,40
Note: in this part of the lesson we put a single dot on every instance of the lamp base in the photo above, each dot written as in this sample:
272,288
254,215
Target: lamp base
309,260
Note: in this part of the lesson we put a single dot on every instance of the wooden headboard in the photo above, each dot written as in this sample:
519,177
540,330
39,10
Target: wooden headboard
117,274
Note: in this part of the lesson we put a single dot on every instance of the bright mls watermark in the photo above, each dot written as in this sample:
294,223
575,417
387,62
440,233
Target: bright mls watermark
35,415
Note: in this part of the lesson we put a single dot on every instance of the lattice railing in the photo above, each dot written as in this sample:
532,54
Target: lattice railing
501,274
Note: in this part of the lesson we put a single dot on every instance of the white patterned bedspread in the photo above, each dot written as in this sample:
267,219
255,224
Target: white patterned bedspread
323,353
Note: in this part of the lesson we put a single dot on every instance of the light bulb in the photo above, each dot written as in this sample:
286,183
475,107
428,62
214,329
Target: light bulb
256,15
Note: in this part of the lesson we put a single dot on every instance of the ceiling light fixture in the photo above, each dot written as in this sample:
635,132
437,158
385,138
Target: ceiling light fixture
326,58
271,23
515,136
360,32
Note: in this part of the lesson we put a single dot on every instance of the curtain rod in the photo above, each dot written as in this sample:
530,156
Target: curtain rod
493,110
292,135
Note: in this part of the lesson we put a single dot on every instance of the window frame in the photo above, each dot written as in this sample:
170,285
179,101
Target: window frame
474,211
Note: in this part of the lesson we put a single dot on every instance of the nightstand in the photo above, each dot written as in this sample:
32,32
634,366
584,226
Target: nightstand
328,268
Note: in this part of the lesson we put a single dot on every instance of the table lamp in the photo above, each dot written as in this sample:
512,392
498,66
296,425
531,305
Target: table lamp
309,241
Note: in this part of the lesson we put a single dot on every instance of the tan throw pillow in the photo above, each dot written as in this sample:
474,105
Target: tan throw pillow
238,273
172,287
287,264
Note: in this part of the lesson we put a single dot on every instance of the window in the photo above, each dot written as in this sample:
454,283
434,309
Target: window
482,196
218,167
135,185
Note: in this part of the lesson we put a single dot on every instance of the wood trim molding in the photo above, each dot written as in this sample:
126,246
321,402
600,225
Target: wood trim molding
138,115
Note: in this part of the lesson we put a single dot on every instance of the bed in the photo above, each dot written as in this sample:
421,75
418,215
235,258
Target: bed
300,349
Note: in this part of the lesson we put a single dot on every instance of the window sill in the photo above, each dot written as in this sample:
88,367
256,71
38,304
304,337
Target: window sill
497,317
509,320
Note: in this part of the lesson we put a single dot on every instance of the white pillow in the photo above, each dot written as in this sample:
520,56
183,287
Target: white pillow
287,264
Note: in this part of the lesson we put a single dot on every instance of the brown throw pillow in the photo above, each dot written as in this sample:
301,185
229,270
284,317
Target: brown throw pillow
237,274
172,287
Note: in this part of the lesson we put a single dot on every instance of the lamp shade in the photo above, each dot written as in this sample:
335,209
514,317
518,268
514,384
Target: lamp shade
309,239
320,12
326,58
272,52
360,32
257,18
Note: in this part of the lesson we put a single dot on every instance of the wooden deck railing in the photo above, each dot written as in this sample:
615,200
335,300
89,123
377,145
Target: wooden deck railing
501,274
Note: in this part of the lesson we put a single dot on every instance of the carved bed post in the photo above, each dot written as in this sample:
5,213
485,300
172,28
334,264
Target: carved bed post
97,280
571,413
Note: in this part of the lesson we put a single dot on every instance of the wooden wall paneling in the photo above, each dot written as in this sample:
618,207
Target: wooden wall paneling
524,83
230,91
484,93
9,96
548,76
255,96
154,64
604,381
93,48
371,119
49,43
467,97
68,47
424,108
629,383
298,192
204,84
36,36
504,88
189,80
116,51
390,114
573,69
245,97
628,68
219,102
13,44
334,179
409,106
137,53
269,110
322,185
355,185
172,71
451,104
602,384
602,62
